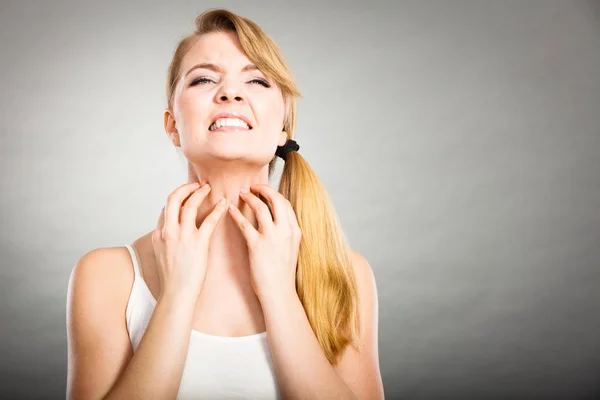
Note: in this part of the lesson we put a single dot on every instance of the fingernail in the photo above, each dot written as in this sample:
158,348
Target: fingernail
222,201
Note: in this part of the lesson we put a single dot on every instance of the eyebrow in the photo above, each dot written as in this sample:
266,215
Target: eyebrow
216,68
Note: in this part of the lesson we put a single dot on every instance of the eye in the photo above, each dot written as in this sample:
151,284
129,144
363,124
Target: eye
261,81
201,80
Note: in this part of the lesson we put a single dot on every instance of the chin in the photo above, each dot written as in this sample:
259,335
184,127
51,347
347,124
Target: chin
233,154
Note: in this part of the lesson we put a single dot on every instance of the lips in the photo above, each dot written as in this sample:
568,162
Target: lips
231,115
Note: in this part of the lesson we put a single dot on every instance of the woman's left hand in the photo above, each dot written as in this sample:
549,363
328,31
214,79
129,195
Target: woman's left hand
273,248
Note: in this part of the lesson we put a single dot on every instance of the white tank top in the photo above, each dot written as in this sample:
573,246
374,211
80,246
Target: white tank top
216,367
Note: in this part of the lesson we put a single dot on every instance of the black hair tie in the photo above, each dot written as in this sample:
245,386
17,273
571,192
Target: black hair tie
290,145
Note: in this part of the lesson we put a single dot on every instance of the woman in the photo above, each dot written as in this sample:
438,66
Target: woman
258,297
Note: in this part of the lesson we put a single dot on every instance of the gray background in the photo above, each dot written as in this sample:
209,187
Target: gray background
459,141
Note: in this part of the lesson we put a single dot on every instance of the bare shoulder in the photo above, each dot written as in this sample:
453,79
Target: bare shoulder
102,274
360,370
98,344
367,293
364,273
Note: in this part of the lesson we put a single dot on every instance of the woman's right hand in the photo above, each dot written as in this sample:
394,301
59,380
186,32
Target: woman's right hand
180,248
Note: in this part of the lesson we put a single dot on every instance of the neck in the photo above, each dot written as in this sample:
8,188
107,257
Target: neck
228,252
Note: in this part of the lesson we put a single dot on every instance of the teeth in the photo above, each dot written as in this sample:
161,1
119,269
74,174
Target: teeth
228,122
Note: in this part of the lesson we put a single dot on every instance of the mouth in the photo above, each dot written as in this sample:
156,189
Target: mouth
227,122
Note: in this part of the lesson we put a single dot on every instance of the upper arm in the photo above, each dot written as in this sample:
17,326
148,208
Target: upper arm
361,371
97,340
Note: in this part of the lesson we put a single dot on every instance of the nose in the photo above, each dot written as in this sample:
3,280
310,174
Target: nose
228,92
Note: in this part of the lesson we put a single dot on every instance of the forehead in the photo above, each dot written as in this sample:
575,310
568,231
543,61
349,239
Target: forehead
222,48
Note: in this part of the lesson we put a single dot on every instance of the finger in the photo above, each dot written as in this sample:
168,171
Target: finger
189,211
250,234
292,217
210,222
174,205
263,215
159,225
161,219
279,203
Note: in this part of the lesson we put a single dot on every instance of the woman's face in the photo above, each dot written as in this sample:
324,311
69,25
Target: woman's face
218,78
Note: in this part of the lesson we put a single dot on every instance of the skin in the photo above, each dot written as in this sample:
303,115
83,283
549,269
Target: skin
249,283
231,160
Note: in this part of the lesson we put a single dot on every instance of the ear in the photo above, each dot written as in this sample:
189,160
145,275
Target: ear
283,137
171,129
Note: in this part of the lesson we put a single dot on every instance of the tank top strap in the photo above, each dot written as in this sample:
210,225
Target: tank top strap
134,259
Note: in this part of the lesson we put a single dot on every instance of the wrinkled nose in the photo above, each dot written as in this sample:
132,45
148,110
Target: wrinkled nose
230,93
225,97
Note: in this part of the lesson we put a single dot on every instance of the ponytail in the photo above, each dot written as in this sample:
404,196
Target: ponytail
325,280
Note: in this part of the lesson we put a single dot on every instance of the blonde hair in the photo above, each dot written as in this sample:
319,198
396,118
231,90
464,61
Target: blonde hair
325,280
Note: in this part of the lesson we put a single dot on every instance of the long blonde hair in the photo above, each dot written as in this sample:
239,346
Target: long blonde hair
325,280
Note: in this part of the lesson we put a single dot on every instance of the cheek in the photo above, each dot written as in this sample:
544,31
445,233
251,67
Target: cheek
271,112
192,108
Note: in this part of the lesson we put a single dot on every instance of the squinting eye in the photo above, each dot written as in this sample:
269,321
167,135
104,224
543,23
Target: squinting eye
201,80
261,82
